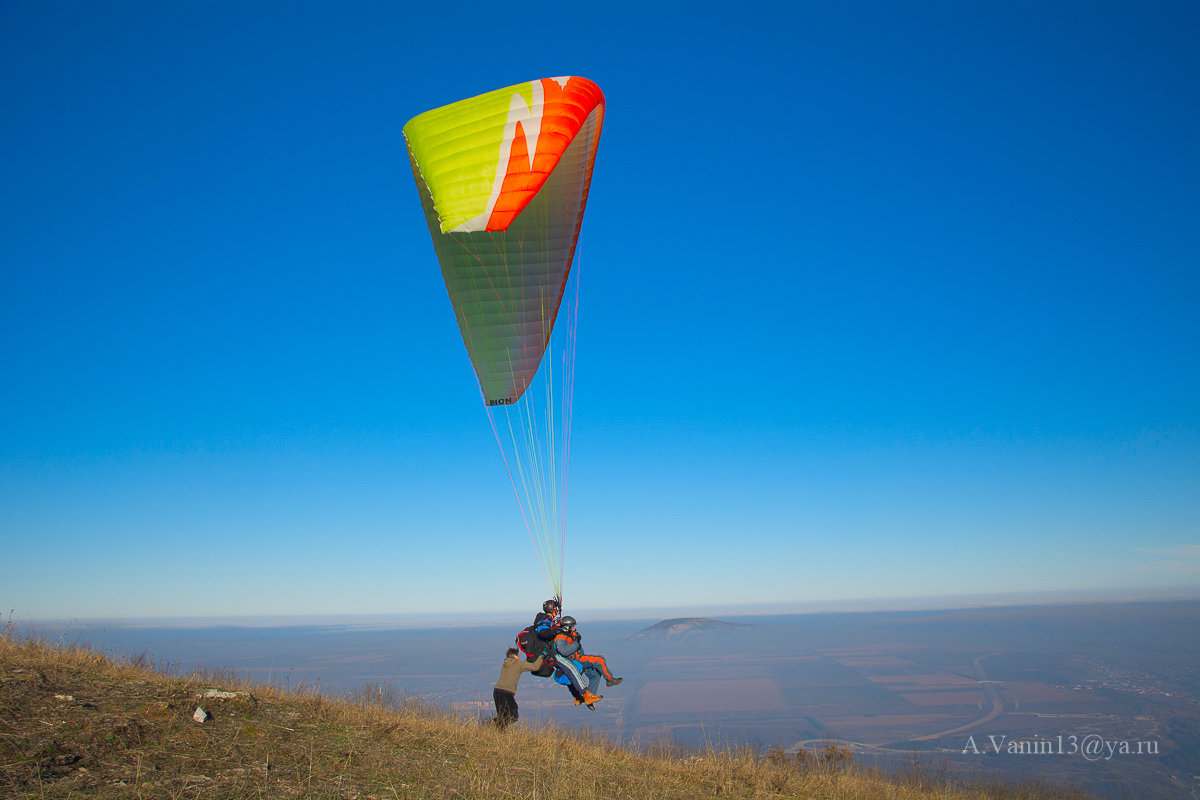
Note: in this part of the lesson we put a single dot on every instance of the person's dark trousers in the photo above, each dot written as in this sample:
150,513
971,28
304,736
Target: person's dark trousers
506,708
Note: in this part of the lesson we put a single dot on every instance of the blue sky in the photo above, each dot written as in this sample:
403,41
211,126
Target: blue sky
877,300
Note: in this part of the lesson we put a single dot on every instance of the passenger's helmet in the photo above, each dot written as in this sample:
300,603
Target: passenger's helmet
567,622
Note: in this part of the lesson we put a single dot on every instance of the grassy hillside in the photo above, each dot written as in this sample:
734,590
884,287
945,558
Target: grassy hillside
74,723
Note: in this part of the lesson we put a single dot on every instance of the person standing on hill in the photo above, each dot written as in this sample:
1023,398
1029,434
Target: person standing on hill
505,693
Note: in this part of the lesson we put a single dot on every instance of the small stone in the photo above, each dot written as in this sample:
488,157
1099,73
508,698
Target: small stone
201,715
66,698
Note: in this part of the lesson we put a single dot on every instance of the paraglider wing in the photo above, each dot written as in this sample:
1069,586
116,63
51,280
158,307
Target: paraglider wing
504,179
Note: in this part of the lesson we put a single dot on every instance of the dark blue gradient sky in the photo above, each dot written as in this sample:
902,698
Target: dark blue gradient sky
877,300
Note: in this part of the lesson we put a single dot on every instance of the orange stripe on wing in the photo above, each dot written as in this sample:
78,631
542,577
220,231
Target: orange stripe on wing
564,110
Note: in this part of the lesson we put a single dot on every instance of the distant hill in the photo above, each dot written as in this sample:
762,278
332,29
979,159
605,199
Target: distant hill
74,723
687,628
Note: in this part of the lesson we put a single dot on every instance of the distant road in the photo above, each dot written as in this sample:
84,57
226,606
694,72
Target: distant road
988,688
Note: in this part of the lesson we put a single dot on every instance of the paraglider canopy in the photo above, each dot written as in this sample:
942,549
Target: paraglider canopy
504,180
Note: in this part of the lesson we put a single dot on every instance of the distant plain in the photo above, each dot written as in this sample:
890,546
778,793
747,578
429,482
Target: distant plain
948,687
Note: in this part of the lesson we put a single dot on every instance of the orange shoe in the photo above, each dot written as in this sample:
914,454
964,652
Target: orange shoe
590,698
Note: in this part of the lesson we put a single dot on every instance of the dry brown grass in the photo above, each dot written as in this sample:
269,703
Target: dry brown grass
74,723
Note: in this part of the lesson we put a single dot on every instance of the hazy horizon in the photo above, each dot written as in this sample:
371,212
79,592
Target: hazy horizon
849,605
